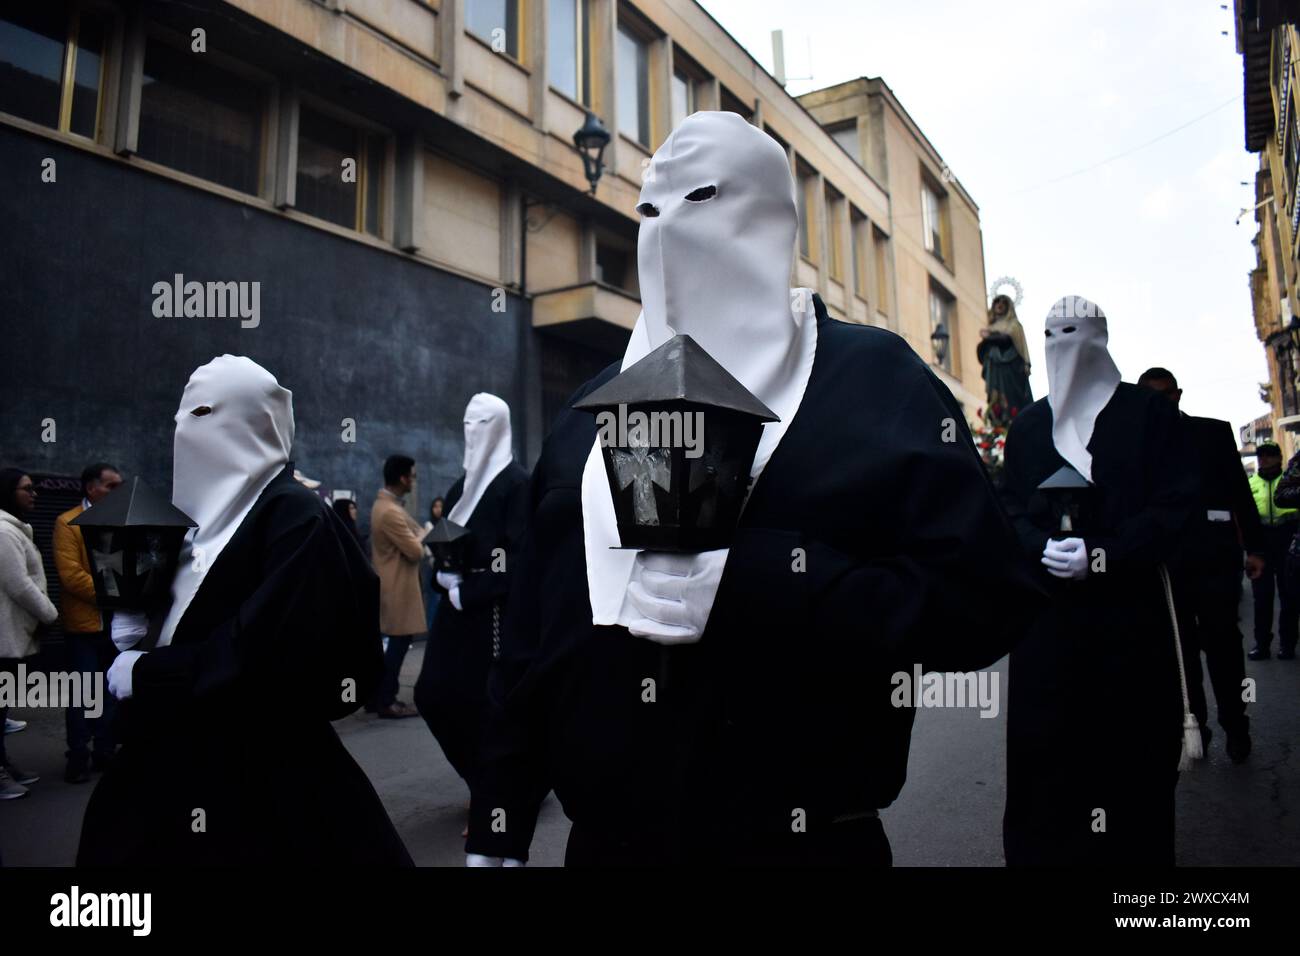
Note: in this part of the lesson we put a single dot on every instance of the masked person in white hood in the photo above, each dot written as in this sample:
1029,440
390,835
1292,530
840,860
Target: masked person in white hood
489,500
735,706
272,591
1094,716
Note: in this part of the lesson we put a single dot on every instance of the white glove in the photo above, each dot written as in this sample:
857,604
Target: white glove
1066,559
119,674
669,596
454,595
474,859
448,580
129,628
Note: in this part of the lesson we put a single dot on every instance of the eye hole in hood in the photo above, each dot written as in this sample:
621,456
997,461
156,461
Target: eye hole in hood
703,194
648,209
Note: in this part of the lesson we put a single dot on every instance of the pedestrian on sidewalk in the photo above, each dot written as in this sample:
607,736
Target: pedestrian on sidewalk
396,552
428,586
88,646
1279,527
24,603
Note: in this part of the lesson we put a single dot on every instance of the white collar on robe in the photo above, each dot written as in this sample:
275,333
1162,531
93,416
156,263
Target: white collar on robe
1081,376
717,270
223,462
488,450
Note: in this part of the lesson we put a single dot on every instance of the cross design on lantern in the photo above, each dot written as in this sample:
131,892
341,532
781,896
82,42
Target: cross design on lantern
106,561
643,468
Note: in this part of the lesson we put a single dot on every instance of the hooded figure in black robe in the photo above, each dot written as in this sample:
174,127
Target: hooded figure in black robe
489,501
1094,712
272,592
735,706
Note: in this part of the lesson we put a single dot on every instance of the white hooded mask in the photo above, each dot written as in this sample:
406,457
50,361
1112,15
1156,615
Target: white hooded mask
488,450
714,256
224,459
1081,377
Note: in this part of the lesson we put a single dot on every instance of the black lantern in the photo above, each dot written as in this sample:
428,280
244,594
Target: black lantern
939,342
1067,493
450,543
591,141
133,537
678,435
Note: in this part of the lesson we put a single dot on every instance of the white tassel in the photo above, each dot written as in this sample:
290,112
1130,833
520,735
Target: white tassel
1192,749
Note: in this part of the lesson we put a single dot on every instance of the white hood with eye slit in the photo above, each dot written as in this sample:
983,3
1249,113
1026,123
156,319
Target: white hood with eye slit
717,270
487,451
1081,377
224,460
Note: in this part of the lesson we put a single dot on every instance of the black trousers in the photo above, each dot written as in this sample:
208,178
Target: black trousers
853,843
1208,601
91,654
1277,540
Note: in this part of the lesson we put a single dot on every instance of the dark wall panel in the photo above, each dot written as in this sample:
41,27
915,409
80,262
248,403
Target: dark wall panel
355,332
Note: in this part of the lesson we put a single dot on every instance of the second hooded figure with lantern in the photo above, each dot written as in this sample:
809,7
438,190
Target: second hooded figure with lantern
485,515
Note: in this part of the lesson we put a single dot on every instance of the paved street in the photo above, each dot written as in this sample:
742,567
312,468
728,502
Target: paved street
949,813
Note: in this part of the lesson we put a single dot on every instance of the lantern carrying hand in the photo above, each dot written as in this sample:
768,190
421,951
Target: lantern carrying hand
669,596
129,628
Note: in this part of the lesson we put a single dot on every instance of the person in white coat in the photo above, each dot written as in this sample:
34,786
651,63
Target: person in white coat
24,603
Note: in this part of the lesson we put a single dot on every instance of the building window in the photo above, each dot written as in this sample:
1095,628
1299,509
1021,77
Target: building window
613,266
933,209
324,143
730,103
834,223
632,76
566,56
496,22
847,136
858,226
880,249
52,67
683,98
200,119
804,186
941,314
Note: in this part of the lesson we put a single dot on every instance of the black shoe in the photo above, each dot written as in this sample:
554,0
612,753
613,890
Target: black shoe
78,767
101,762
1286,653
1258,653
1238,746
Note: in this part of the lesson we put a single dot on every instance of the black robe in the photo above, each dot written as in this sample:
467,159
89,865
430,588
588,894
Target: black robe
232,718
784,704
451,691
1094,712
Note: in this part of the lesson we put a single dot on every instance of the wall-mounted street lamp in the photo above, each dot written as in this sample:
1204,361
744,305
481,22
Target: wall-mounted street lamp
591,141
939,342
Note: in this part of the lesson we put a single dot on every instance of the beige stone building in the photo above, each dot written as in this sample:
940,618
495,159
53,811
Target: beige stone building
934,243
1267,41
462,195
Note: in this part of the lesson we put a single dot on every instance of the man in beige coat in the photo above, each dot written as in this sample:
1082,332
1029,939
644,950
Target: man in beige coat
396,553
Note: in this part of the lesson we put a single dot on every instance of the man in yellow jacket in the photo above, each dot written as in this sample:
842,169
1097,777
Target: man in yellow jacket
1279,527
87,642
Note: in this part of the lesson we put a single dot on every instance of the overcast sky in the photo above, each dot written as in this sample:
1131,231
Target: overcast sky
1026,101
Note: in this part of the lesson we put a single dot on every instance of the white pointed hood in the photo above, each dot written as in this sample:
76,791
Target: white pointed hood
1081,376
224,459
488,450
715,266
